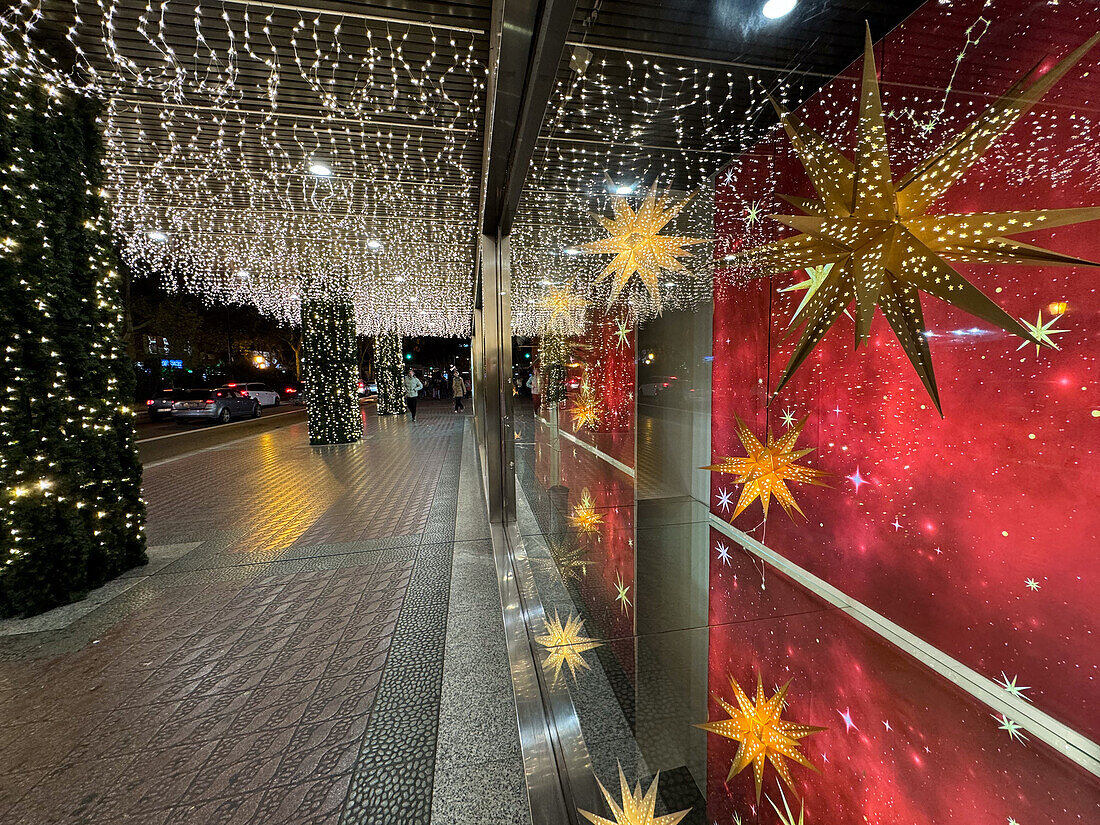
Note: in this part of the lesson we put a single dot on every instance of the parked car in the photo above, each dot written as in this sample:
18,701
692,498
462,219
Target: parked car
261,392
160,405
220,405
367,390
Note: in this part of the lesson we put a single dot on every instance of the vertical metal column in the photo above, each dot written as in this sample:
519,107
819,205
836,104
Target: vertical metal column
496,340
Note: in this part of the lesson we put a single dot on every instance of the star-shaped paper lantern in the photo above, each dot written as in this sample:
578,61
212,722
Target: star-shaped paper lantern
764,735
564,307
767,468
638,245
638,808
564,645
877,232
570,560
584,516
585,410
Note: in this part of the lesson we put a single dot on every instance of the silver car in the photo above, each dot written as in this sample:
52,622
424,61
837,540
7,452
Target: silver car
220,405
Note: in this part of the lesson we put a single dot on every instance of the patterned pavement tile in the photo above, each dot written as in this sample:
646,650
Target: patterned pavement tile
283,664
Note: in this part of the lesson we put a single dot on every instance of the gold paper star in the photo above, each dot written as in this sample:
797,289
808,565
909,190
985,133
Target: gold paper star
1042,332
585,410
637,244
764,736
584,516
570,560
563,305
637,808
884,246
564,645
766,469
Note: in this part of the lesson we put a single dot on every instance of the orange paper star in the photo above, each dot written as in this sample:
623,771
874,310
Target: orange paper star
763,734
766,469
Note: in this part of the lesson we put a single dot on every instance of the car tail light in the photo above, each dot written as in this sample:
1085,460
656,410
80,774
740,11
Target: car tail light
244,393
231,384
290,391
208,401
150,402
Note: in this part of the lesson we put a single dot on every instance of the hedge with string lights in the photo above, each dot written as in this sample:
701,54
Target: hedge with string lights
390,367
331,370
71,511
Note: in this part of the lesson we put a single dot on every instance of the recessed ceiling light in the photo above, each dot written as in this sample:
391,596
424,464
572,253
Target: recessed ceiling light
545,282
243,273
374,244
572,250
157,235
775,9
625,189
319,168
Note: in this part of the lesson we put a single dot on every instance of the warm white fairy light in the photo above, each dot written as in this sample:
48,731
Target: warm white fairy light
287,144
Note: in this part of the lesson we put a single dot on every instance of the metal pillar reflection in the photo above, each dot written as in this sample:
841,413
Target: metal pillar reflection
494,403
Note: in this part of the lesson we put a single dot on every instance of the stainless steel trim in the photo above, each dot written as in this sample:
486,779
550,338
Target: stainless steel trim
545,792
1042,726
600,454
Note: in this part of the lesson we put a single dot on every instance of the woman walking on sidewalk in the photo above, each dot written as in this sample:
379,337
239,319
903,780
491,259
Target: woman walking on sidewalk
412,391
459,387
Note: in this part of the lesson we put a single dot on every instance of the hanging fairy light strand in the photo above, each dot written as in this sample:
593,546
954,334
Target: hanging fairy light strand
251,148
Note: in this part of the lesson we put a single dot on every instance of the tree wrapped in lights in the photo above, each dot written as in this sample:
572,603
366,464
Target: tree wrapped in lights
71,509
388,363
331,370
554,366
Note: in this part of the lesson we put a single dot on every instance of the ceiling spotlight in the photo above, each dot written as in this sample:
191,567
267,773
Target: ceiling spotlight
624,189
243,273
399,279
670,284
774,9
157,235
572,250
320,169
374,244
545,282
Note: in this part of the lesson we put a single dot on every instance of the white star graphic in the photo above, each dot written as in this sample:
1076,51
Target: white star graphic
725,499
723,553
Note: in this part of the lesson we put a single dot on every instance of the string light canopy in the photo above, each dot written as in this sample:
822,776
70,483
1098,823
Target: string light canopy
256,149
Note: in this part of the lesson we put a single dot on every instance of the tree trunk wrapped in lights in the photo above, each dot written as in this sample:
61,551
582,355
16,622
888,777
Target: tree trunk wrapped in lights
389,366
330,369
71,509
553,367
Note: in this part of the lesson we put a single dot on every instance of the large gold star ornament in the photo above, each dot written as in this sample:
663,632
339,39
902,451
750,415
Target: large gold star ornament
767,468
638,245
764,735
584,516
564,309
564,645
884,246
638,808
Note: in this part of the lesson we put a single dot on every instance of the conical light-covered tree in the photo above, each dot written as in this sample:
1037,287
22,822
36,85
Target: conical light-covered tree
71,514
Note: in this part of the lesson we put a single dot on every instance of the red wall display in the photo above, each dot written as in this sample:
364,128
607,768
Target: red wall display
977,532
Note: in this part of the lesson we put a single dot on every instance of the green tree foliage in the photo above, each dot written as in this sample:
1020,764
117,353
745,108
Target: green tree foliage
71,514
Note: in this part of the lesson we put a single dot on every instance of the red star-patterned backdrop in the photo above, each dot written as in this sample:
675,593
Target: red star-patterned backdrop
977,532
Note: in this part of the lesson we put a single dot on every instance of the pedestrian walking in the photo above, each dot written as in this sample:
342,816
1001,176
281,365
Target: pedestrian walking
459,387
413,386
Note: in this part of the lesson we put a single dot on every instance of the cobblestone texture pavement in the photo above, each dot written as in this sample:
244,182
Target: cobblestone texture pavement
287,667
